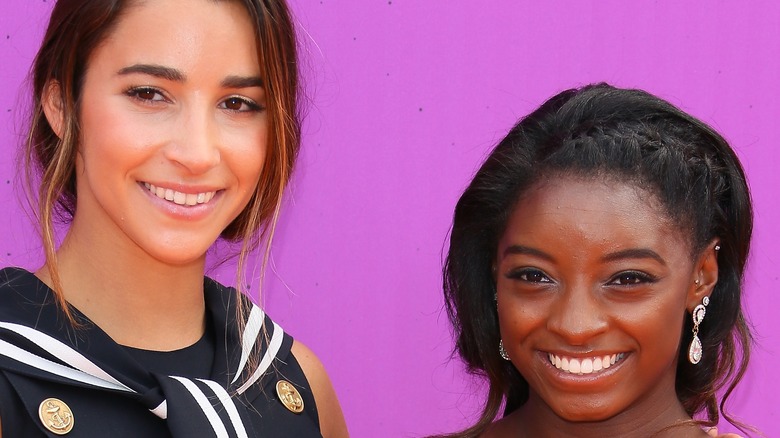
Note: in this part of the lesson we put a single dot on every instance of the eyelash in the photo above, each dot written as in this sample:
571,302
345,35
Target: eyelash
251,104
637,277
134,92
633,277
524,274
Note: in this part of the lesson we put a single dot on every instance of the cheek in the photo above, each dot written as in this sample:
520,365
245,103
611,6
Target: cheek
519,318
655,325
246,155
110,136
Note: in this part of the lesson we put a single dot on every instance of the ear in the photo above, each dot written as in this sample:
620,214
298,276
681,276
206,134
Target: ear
705,275
53,106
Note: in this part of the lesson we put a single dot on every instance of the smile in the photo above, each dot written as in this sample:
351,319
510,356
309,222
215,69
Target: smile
573,365
180,198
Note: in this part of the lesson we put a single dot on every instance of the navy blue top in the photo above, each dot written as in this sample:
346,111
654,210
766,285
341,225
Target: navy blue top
119,391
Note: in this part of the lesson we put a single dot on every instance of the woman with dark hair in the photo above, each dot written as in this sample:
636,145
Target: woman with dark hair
157,128
594,271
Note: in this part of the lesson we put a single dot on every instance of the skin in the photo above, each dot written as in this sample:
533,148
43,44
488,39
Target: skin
177,103
588,268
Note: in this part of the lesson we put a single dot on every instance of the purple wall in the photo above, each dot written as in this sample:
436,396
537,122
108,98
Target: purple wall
407,98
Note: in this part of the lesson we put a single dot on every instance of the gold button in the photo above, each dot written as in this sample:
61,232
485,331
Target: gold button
289,396
56,416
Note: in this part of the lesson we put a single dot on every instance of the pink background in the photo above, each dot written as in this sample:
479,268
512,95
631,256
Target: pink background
407,96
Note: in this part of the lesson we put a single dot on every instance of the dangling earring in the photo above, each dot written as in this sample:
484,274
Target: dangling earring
502,351
695,350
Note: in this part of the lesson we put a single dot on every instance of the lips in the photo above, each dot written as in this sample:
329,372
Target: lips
180,198
588,365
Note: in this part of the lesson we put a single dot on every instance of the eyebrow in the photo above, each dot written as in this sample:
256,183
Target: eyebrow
172,74
634,253
242,82
158,71
524,250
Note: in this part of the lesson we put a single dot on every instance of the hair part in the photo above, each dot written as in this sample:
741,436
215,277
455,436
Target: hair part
629,136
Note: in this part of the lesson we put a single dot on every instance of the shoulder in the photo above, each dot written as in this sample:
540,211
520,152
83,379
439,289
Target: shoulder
21,290
16,278
331,418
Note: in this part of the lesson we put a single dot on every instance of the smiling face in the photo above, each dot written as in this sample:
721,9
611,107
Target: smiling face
593,282
173,129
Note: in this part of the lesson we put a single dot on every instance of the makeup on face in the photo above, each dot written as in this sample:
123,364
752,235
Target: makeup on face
174,128
591,285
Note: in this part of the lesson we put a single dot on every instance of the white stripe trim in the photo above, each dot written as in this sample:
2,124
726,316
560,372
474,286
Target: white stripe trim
252,329
161,410
63,352
268,357
230,407
205,406
33,360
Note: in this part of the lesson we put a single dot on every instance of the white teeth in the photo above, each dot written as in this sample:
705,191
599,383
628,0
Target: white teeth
180,198
588,365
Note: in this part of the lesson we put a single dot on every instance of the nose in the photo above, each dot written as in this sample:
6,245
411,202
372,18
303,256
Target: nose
577,316
196,142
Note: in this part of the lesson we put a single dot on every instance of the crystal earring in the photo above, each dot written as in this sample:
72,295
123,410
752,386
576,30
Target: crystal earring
502,351
695,350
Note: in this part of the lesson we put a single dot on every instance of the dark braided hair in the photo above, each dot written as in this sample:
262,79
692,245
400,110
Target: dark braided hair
633,137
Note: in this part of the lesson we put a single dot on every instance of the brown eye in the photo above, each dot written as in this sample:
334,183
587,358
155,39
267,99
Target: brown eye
234,104
530,275
629,278
535,277
146,94
239,104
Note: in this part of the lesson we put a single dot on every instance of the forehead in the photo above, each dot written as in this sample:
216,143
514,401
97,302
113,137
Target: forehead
601,213
181,33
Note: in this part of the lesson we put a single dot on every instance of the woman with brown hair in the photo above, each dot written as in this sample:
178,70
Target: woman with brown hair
157,128
594,271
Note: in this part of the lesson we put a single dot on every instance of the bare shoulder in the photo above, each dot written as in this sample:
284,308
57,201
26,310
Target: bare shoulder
328,408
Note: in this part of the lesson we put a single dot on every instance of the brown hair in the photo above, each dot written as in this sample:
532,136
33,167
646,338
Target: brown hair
75,29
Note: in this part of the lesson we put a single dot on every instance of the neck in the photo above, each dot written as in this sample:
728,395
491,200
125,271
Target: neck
137,300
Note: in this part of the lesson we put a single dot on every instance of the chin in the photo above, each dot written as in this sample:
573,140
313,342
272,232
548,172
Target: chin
177,256
585,413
